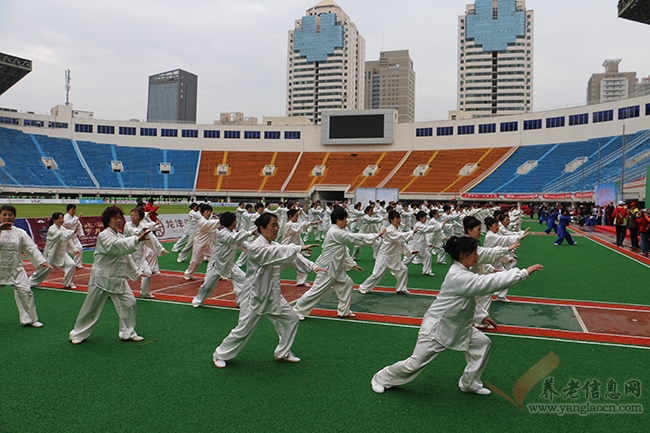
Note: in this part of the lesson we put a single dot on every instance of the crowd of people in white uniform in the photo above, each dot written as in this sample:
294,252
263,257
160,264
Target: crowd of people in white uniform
270,239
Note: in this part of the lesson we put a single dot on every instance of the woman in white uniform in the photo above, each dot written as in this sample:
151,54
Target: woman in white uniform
204,238
55,253
15,242
263,297
393,246
222,262
291,235
448,322
111,266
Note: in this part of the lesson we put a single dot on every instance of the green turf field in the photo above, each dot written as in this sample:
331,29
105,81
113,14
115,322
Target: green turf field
169,384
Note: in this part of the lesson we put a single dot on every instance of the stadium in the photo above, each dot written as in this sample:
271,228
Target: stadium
579,330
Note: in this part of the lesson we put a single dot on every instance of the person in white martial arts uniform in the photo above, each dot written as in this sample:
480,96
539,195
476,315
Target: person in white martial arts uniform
281,212
494,238
262,296
71,222
249,224
314,217
240,211
188,230
204,238
193,219
293,230
111,266
448,322
336,258
136,227
366,224
394,243
222,262
504,220
15,242
486,256
420,242
55,253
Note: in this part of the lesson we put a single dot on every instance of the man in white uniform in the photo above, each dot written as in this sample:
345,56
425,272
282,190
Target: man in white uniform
204,238
71,222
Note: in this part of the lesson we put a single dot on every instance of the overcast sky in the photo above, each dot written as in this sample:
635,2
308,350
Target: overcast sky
238,48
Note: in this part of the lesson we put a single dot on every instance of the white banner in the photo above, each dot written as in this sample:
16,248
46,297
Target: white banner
172,225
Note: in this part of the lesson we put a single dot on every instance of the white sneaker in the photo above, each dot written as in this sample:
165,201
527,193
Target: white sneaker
36,324
148,296
219,363
136,338
187,278
364,292
379,389
403,292
502,299
300,316
480,391
76,341
289,358
80,267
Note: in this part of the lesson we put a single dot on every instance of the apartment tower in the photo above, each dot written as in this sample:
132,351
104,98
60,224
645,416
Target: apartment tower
325,63
495,58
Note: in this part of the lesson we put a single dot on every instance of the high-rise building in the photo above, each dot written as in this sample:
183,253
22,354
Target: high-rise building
610,85
325,63
390,83
495,58
172,97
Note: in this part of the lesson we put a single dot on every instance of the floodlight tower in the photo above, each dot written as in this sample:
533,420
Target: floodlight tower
67,87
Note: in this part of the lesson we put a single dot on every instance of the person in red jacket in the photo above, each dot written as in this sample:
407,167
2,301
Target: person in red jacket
151,210
620,216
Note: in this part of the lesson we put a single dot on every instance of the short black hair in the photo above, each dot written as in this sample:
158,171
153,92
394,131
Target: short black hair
70,206
393,214
338,214
110,212
469,222
9,208
421,214
205,207
264,220
139,210
227,218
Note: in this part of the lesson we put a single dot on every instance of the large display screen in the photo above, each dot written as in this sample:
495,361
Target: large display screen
364,126
350,127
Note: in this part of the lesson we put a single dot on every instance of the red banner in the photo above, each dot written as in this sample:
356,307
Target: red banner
557,196
521,196
92,228
480,195
39,228
589,194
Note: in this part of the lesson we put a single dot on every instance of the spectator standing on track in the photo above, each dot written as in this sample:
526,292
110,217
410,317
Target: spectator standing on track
448,322
643,220
111,266
55,253
263,296
619,217
632,225
15,242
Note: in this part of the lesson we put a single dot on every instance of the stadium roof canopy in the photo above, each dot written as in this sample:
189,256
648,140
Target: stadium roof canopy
12,70
635,10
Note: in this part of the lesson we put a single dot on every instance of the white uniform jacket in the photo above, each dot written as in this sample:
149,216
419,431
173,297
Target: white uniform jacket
13,244
292,231
56,243
225,249
335,256
393,245
205,236
113,262
265,261
450,317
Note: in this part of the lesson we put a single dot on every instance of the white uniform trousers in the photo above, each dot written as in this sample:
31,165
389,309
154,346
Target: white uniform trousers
68,268
484,301
322,284
186,251
76,249
426,350
181,243
237,277
25,302
152,259
285,323
400,273
425,260
91,310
